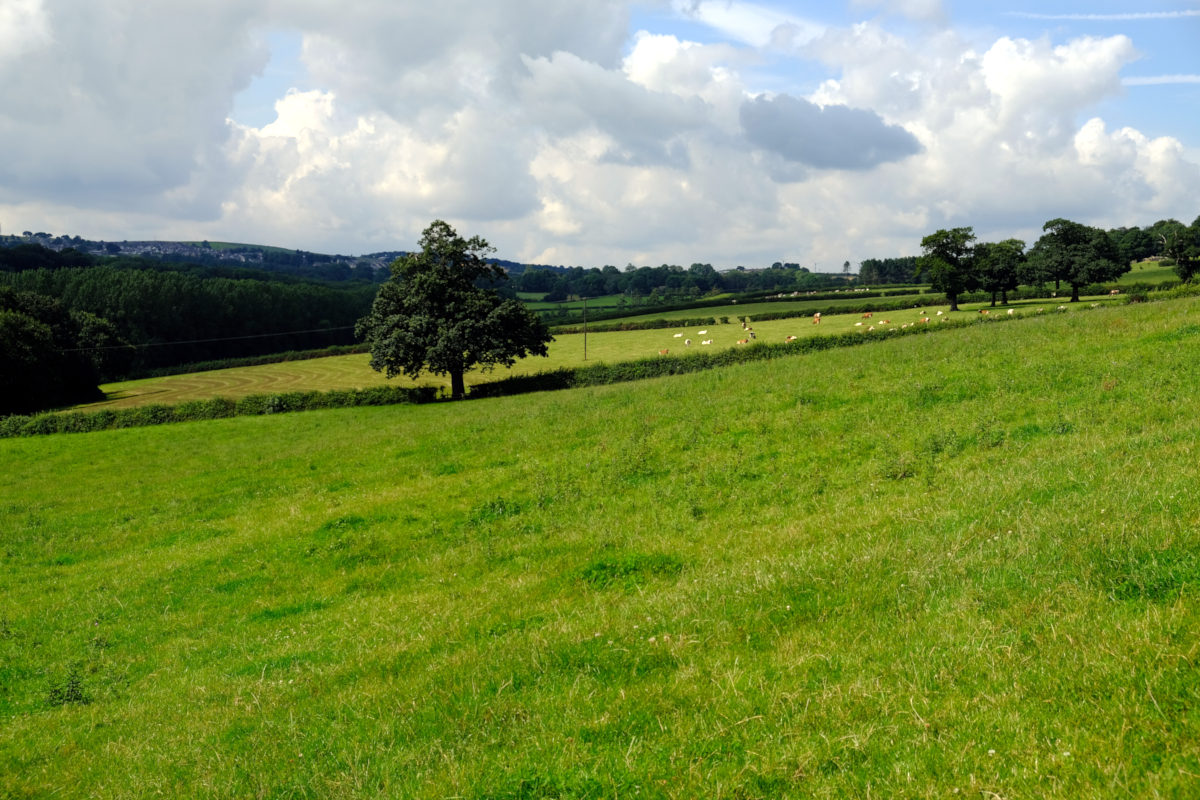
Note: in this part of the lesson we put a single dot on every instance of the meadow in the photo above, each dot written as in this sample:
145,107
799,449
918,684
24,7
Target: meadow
354,372
938,566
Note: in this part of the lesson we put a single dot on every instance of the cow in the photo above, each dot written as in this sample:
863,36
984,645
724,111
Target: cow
939,313
687,342
679,336
817,318
662,352
701,333
984,311
867,316
1010,312
752,336
924,320
743,341
790,339
1114,293
707,341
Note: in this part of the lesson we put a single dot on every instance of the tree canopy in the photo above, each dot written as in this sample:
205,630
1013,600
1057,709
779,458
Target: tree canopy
998,266
948,263
431,316
1074,254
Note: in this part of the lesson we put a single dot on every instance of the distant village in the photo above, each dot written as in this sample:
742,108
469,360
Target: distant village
198,251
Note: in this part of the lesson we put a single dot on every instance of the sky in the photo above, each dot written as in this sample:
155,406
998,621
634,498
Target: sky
593,132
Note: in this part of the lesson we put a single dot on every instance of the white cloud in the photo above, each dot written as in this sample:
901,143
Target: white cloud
1157,80
1134,16
753,24
529,122
24,26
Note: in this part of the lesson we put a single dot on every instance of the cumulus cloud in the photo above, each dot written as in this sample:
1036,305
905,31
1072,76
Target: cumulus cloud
834,137
547,127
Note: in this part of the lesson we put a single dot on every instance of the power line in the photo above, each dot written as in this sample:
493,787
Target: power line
199,341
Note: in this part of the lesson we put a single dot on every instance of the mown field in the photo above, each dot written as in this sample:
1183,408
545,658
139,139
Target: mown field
962,564
354,372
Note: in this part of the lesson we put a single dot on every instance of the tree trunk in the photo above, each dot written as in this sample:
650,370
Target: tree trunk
457,388
1074,293
1056,286
953,302
993,299
1004,297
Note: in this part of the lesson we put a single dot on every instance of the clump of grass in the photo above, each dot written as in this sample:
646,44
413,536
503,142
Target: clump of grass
630,569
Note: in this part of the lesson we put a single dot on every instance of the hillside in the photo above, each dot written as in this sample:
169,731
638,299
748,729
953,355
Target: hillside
961,564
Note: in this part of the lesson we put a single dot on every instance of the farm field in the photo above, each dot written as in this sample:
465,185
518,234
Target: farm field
1148,273
954,565
750,309
354,372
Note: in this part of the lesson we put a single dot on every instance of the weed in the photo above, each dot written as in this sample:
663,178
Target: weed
70,690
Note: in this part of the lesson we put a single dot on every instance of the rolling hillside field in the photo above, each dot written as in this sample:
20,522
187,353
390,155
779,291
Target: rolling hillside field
354,372
962,565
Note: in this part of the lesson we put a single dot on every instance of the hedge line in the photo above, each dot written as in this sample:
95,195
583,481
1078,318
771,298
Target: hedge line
249,361
213,408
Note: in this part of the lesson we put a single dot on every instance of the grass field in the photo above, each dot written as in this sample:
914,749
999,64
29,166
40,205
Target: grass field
1148,273
954,565
354,372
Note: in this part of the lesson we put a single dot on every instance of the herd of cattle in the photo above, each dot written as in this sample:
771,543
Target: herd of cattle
923,320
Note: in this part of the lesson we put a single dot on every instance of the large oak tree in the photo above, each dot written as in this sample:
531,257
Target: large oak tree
948,263
1074,254
431,316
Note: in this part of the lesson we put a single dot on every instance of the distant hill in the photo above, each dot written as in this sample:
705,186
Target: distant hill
299,263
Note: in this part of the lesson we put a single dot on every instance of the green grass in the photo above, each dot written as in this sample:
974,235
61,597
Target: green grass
232,245
750,309
1148,273
354,372
952,565
594,304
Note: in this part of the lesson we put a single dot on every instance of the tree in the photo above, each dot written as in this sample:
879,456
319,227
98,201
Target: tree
948,262
998,266
1182,245
1075,254
430,316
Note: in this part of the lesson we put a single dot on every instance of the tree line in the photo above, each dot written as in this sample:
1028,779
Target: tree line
146,315
668,281
1070,253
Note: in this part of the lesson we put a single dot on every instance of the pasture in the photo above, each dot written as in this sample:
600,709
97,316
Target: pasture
954,565
354,372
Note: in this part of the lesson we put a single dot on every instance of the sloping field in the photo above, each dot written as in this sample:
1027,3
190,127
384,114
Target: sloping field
954,565
354,372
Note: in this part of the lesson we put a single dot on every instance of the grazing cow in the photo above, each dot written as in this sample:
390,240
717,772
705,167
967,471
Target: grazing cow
817,318
1114,293
687,342
790,339
752,336
867,316
743,341
662,352
701,333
